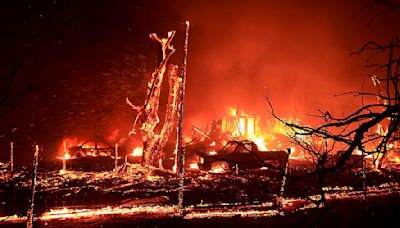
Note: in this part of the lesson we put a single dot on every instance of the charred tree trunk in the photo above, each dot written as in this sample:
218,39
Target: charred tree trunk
153,143
175,83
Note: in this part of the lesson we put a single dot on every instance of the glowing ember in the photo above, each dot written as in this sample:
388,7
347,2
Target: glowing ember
194,166
218,170
229,214
187,139
62,171
67,156
219,167
66,213
212,153
137,152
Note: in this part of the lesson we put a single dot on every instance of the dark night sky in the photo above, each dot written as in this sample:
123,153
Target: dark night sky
86,56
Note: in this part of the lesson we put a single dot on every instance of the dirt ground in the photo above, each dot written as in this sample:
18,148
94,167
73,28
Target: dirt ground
375,212
220,191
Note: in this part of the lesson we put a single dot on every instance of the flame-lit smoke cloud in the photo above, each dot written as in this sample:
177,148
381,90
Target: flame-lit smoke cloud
86,62
296,52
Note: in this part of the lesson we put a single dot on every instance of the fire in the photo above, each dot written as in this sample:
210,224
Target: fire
194,166
218,170
232,111
187,139
66,213
219,167
62,171
265,133
63,148
259,141
246,125
67,156
137,152
380,130
240,125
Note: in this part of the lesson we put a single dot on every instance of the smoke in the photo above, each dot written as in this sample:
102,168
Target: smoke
87,62
295,52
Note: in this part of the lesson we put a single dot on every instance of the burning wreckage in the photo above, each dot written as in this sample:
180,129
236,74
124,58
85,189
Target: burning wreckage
229,171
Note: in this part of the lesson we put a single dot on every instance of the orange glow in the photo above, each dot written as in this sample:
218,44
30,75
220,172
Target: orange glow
251,126
259,141
232,111
218,170
66,213
67,156
242,126
219,167
137,152
194,166
66,144
265,133
187,139
381,131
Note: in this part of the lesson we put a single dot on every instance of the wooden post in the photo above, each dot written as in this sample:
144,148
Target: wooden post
11,157
29,223
289,151
116,157
180,148
283,184
64,156
364,177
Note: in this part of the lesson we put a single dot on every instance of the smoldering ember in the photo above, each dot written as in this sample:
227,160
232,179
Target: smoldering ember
199,113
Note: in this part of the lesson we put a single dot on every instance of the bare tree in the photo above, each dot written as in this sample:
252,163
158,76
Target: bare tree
153,143
384,7
9,100
372,129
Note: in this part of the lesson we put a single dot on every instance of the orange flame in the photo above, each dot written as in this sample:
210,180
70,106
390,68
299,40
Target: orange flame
137,152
